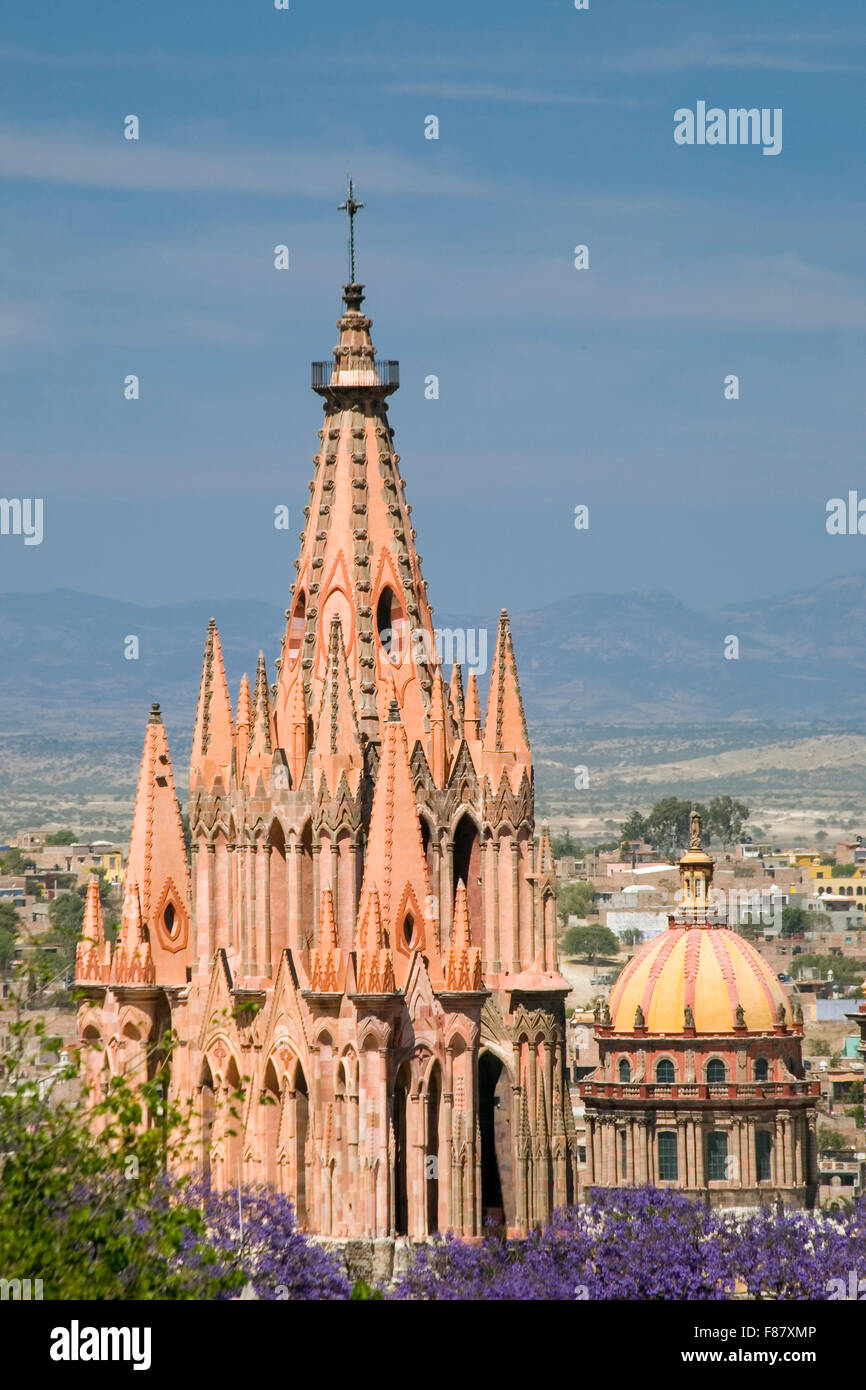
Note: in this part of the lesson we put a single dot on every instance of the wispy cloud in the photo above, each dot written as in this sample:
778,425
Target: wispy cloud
497,92
795,53
80,159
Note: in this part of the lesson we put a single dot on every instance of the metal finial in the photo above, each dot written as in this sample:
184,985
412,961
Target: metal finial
350,207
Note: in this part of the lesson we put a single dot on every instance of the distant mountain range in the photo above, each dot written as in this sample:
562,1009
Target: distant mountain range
636,659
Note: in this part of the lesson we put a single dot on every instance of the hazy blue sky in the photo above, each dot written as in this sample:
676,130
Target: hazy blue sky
558,386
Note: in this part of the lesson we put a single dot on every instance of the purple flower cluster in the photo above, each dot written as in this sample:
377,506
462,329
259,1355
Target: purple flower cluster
650,1244
261,1234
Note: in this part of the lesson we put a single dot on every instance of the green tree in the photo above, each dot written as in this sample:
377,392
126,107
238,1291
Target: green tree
632,936
846,969
634,828
590,942
830,1139
842,870
66,915
89,1211
574,900
667,825
9,927
61,837
726,818
13,862
564,845
798,919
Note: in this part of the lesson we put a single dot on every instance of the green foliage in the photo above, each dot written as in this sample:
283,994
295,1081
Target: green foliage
66,915
666,827
846,969
820,1048
799,919
830,1139
632,936
590,942
726,818
89,1210
363,1292
13,862
855,1093
574,900
842,870
565,844
634,828
856,1114
61,837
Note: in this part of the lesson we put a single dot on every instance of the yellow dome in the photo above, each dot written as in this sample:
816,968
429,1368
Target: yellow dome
712,970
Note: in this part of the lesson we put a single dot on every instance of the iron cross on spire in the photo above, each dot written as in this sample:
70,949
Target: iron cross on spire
351,207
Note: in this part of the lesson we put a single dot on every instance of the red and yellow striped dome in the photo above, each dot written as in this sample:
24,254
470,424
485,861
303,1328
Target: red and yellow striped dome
709,968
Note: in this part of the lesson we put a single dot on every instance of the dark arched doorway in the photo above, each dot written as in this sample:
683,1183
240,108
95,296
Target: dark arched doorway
401,1185
302,1119
206,1117
494,1100
467,870
431,1152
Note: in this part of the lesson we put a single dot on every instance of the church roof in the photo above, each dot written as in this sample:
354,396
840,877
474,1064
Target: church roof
698,965
709,968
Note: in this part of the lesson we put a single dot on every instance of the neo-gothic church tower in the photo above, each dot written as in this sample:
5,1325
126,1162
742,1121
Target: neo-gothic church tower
364,947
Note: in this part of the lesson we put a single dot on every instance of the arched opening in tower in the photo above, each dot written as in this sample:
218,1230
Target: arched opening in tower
232,1128
497,1179
302,1120
467,870
206,1118
297,622
401,1184
270,1101
431,1150
427,846
278,894
391,624
306,906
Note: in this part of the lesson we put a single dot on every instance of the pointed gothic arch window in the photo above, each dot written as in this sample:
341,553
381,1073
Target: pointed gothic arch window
271,1099
207,1107
391,624
467,869
297,624
408,928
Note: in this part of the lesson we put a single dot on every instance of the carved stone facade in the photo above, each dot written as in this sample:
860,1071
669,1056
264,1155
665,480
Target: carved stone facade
362,960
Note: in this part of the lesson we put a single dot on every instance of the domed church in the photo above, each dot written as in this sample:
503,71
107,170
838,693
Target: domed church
700,1084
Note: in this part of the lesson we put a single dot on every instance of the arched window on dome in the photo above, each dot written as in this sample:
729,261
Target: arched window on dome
665,1072
715,1070
762,1069
624,1069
